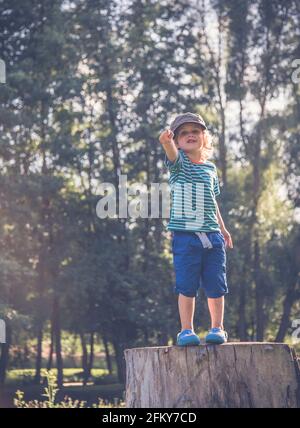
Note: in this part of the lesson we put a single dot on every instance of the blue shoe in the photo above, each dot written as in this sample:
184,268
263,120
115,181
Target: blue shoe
187,338
216,336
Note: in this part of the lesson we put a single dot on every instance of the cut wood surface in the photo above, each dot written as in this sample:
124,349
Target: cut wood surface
250,374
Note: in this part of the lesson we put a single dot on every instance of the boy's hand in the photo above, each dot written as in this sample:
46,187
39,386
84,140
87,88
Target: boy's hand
169,146
227,237
166,137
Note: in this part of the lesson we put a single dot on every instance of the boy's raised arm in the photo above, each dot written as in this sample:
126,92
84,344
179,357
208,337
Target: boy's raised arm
166,140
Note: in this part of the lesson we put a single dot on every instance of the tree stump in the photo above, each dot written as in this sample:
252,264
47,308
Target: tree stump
247,375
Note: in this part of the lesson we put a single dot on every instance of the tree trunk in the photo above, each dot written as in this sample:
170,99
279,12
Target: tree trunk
38,362
259,294
57,335
233,375
4,356
91,356
242,324
121,368
289,300
107,354
50,358
242,328
84,358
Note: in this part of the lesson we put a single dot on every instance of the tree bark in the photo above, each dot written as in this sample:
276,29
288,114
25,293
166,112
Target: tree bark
84,358
242,324
107,354
38,362
233,375
50,358
57,335
242,328
91,356
121,368
259,294
290,298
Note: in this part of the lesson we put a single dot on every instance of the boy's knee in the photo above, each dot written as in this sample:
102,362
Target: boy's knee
185,293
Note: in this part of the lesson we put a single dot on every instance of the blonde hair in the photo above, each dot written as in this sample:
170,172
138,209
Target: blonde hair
207,149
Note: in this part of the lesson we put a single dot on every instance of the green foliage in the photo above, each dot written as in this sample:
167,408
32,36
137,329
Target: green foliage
26,376
50,394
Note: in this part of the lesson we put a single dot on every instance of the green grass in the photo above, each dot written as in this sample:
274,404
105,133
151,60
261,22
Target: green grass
106,387
91,394
26,376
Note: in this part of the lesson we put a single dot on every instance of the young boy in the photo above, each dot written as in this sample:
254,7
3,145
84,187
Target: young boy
199,235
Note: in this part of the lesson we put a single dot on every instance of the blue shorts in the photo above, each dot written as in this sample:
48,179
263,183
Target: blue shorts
196,266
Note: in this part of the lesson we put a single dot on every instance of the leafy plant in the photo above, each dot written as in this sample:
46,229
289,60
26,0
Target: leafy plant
51,391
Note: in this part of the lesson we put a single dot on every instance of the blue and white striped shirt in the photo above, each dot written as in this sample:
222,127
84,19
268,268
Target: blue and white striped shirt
194,187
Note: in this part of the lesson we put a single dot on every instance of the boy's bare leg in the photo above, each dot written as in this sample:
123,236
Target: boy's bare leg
186,307
216,309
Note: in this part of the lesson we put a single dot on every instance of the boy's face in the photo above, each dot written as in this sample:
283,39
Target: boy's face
190,137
